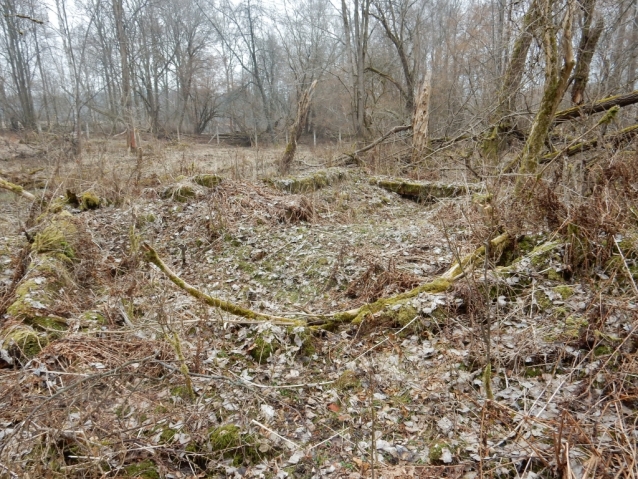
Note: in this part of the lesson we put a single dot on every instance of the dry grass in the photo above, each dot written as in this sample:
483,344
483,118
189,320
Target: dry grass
110,398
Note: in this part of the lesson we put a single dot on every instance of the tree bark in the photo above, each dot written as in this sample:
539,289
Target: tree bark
506,103
586,47
127,100
556,82
297,127
420,120
596,107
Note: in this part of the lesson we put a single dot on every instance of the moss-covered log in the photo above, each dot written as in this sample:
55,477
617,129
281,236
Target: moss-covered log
423,191
354,316
17,189
614,140
597,107
310,182
236,310
42,299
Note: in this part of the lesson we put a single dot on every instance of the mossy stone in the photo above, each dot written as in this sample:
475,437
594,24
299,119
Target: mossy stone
436,451
56,238
22,342
263,349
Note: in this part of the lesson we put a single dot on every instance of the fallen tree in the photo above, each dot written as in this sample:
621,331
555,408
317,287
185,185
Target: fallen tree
327,321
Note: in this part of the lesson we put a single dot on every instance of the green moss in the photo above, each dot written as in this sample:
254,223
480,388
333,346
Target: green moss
48,323
347,380
573,325
603,350
145,470
542,301
234,445
554,275
22,342
168,435
533,372
564,291
38,294
263,349
422,191
181,392
405,314
179,192
56,238
209,181
307,184
94,316
436,451
89,201
542,253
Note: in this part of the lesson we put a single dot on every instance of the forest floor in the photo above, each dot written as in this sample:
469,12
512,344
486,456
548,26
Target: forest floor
122,374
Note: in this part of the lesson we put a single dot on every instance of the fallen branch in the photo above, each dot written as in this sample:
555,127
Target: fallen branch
596,107
17,189
152,257
346,157
614,140
354,316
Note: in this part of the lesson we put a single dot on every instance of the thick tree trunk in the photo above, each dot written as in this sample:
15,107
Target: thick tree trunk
588,40
556,82
506,104
297,127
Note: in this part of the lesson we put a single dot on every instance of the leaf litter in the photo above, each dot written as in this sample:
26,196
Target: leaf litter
402,399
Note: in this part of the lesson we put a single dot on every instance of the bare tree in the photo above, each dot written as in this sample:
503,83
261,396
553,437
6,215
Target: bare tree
559,62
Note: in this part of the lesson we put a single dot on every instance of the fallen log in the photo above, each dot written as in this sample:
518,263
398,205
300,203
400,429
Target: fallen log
424,191
326,321
309,182
596,107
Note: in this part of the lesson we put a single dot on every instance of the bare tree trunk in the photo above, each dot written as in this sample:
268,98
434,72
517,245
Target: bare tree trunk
127,103
297,127
586,47
556,82
506,103
420,120
631,67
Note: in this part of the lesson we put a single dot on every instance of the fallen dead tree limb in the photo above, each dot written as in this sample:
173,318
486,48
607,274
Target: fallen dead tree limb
354,157
17,189
153,257
320,321
596,107
614,140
